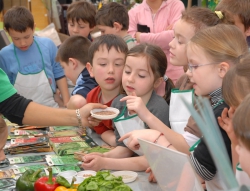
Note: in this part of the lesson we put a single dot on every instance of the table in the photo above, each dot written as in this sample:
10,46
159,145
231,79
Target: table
140,184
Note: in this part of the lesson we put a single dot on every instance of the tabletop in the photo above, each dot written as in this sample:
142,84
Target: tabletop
140,184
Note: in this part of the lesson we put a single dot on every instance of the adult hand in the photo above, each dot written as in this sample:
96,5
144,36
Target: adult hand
93,162
85,114
146,134
226,123
169,27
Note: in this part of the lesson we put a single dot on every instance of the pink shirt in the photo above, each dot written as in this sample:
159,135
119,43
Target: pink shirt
168,13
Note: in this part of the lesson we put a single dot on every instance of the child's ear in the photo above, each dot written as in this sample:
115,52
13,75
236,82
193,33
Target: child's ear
74,63
90,69
117,26
247,32
158,82
223,68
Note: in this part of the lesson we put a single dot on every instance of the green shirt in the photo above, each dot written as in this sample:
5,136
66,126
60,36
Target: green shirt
6,88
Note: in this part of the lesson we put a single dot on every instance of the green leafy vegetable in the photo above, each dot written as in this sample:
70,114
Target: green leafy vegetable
103,181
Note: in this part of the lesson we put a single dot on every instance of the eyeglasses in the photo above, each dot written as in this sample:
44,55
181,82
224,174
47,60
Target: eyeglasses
192,67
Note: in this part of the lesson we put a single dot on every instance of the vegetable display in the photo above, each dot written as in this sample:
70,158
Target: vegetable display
103,181
65,185
46,183
27,180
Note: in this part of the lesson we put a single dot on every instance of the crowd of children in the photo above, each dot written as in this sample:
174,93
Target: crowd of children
134,66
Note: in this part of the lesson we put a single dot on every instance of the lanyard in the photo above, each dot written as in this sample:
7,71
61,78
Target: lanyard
38,50
198,142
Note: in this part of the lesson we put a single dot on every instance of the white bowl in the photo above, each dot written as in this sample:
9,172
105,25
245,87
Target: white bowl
105,117
86,173
79,180
127,176
69,174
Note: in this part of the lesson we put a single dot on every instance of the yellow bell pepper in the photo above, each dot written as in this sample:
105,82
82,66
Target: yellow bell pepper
62,188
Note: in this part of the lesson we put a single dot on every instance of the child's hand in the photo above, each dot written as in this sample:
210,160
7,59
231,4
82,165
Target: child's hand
151,177
225,121
135,105
93,162
58,99
146,134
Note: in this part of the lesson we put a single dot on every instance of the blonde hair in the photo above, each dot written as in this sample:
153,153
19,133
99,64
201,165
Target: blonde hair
221,43
236,83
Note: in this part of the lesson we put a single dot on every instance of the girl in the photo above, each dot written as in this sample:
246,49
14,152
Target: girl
143,72
210,56
236,86
152,22
191,22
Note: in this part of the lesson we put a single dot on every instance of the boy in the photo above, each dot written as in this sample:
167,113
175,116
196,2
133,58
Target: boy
107,56
81,19
113,18
73,56
30,61
240,12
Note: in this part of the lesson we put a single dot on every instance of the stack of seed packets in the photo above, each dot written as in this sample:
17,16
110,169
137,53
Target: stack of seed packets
66,140
26,145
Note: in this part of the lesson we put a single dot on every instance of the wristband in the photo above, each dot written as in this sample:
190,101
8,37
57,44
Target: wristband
78,115
156,140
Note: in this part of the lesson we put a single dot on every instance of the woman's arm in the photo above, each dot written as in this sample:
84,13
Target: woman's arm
36,114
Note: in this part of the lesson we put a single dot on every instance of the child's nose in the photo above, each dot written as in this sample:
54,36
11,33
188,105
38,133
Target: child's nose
131,78
23,42
75,29
189,73
111,68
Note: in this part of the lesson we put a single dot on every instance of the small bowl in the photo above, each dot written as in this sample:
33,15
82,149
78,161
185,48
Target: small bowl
79,180
105,116
69,174
86,173
127,176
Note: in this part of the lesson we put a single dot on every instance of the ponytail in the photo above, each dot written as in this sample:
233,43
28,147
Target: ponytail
168,86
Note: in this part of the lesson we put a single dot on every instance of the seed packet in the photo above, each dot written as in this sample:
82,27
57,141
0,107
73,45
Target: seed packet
60,160
7,183
27,159
22,169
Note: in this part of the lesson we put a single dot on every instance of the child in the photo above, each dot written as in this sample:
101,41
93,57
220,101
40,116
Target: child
235,87
158,17
107,56
112,18
239,11
241,128
192,21
29,61
210,57
145,64
73,56
81,19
